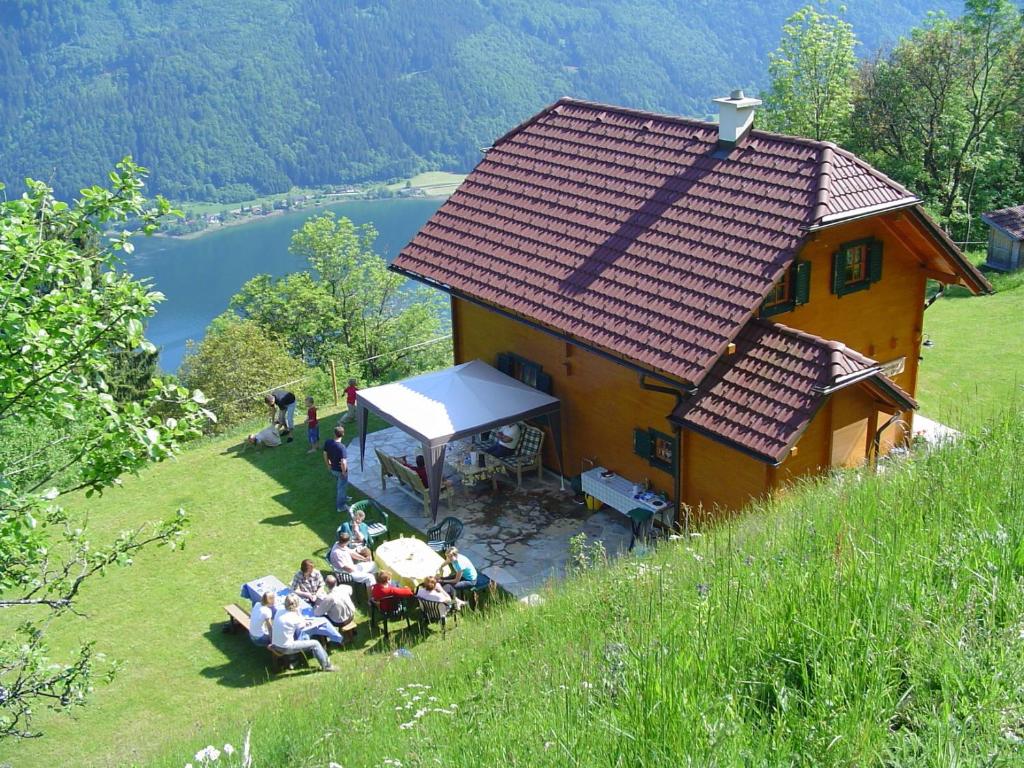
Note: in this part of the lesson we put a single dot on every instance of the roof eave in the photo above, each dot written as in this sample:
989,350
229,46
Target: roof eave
967,272
835,219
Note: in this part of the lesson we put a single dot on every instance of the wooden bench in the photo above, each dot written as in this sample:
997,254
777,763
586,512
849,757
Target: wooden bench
408,480
239,618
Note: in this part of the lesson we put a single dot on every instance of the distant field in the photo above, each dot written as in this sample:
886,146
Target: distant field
975,366
432,182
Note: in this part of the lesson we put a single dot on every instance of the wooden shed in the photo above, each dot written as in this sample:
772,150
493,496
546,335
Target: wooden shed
1005,235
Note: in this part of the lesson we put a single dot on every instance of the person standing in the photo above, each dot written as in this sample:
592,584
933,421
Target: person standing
286,628
350,401
282,409
312,425
336,459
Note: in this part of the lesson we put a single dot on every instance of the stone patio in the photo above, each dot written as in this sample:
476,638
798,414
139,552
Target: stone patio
519,537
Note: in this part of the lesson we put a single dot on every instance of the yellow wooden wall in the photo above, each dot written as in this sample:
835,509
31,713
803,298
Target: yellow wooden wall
883,322
602,401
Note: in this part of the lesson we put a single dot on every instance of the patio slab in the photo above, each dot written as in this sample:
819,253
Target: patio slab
520,537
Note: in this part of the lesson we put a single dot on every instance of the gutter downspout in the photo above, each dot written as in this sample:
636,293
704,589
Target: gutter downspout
677,466
936,297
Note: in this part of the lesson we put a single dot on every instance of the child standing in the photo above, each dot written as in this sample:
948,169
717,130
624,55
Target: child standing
312,426
350,401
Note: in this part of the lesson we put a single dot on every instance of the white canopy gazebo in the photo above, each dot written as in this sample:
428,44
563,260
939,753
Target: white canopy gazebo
447,405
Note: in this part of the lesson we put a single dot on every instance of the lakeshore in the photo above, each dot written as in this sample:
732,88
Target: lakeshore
205,218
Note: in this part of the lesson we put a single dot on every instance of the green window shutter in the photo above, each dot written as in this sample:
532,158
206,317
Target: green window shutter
801,282
642,443
875,261
544,382
839,273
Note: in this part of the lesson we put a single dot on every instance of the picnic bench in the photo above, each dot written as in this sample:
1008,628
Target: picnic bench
408,480
238,618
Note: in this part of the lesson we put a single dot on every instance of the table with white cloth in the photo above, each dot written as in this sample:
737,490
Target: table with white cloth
409,560
254,590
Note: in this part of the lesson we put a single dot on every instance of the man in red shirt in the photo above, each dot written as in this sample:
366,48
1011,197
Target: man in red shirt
386,594
350,401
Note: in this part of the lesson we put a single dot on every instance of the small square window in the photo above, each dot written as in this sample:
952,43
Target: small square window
856,263
781,293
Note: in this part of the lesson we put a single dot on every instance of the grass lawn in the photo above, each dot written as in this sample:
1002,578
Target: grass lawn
976,364
432,182
253,512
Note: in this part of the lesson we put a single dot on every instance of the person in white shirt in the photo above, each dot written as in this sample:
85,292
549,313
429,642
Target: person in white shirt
508,440
336,602
355,562
261,619
433,592
286,627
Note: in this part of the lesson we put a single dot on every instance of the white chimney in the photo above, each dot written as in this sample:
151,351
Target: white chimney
735,117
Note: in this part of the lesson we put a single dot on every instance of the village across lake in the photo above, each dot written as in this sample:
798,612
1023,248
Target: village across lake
199,276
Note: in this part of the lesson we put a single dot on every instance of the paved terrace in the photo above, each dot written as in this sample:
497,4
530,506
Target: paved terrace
519,537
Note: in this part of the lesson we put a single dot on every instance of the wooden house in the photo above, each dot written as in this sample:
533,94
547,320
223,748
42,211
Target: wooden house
1005,238
720,309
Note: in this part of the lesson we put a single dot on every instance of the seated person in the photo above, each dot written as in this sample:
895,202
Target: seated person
386,594
355,562
268,436
433,592
261,620
507,438
420,469
335,602
463,572
308,582
358,531
286,628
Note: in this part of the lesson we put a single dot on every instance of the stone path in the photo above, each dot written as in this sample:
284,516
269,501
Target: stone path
519,537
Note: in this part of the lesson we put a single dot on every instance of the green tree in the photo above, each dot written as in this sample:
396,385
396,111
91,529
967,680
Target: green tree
235,364
66,315
350,308
941,112
812,73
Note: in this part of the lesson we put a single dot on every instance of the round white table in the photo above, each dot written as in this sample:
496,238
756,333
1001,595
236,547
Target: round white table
409,560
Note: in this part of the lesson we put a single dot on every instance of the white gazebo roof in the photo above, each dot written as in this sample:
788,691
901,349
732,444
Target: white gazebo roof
442,406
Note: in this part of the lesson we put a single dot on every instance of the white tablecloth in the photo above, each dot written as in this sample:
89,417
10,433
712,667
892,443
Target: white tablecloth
409,560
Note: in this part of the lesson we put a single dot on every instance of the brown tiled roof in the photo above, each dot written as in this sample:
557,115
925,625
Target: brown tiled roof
761,398
632,232
1010,220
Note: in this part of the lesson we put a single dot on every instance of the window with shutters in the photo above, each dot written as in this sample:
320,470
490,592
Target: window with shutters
526,371
658,448
792,290
856,265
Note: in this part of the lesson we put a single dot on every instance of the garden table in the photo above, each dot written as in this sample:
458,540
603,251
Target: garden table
409,560
254,590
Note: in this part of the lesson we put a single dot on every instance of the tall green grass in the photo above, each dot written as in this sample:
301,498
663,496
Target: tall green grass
866,620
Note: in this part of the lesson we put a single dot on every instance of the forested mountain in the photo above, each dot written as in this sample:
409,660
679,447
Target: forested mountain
223,99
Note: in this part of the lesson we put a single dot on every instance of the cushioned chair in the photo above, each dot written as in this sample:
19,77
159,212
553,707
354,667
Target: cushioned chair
527,455
432,612
376,518
443,536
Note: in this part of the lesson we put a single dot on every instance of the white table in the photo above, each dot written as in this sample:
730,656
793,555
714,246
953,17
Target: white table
409,560
615,491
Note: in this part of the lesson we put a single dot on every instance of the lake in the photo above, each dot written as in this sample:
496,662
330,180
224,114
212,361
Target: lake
200,276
